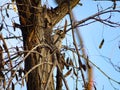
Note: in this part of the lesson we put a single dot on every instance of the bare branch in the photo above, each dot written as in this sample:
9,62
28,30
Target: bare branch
102,12
61,11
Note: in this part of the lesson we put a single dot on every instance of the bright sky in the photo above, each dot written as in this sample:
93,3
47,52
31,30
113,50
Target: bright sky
92,36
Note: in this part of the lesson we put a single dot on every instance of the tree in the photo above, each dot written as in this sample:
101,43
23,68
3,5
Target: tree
42,52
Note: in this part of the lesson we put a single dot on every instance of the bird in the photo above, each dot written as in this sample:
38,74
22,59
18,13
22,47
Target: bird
57,38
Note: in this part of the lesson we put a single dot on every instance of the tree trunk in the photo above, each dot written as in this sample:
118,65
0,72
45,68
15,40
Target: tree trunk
34,33
36,26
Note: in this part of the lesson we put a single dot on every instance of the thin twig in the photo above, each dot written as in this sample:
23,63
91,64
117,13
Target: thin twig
101,71
34,67
20,63
93,16
6,49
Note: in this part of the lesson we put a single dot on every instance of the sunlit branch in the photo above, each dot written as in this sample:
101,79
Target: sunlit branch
102,12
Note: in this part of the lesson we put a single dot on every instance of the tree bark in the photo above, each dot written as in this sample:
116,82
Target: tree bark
36,25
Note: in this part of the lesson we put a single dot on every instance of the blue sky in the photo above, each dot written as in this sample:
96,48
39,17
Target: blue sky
92,36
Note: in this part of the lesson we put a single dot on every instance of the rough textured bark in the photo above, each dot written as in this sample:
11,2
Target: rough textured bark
36,26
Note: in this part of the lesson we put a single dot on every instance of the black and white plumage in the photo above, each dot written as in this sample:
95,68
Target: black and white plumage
57,38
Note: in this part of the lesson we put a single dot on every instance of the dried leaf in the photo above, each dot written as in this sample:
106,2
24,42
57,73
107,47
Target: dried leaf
67,62
5,48
16,25
16,77
65,26
26,78
23,21
2,77
75,72
1,26
94,87
22,82
13,86
17,49
8,6
68,73
71,62
13,24
101,44
114,4
20,72
4,84
7,13
12,72
84,67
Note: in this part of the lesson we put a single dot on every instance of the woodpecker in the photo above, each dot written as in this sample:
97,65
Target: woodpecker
57,38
